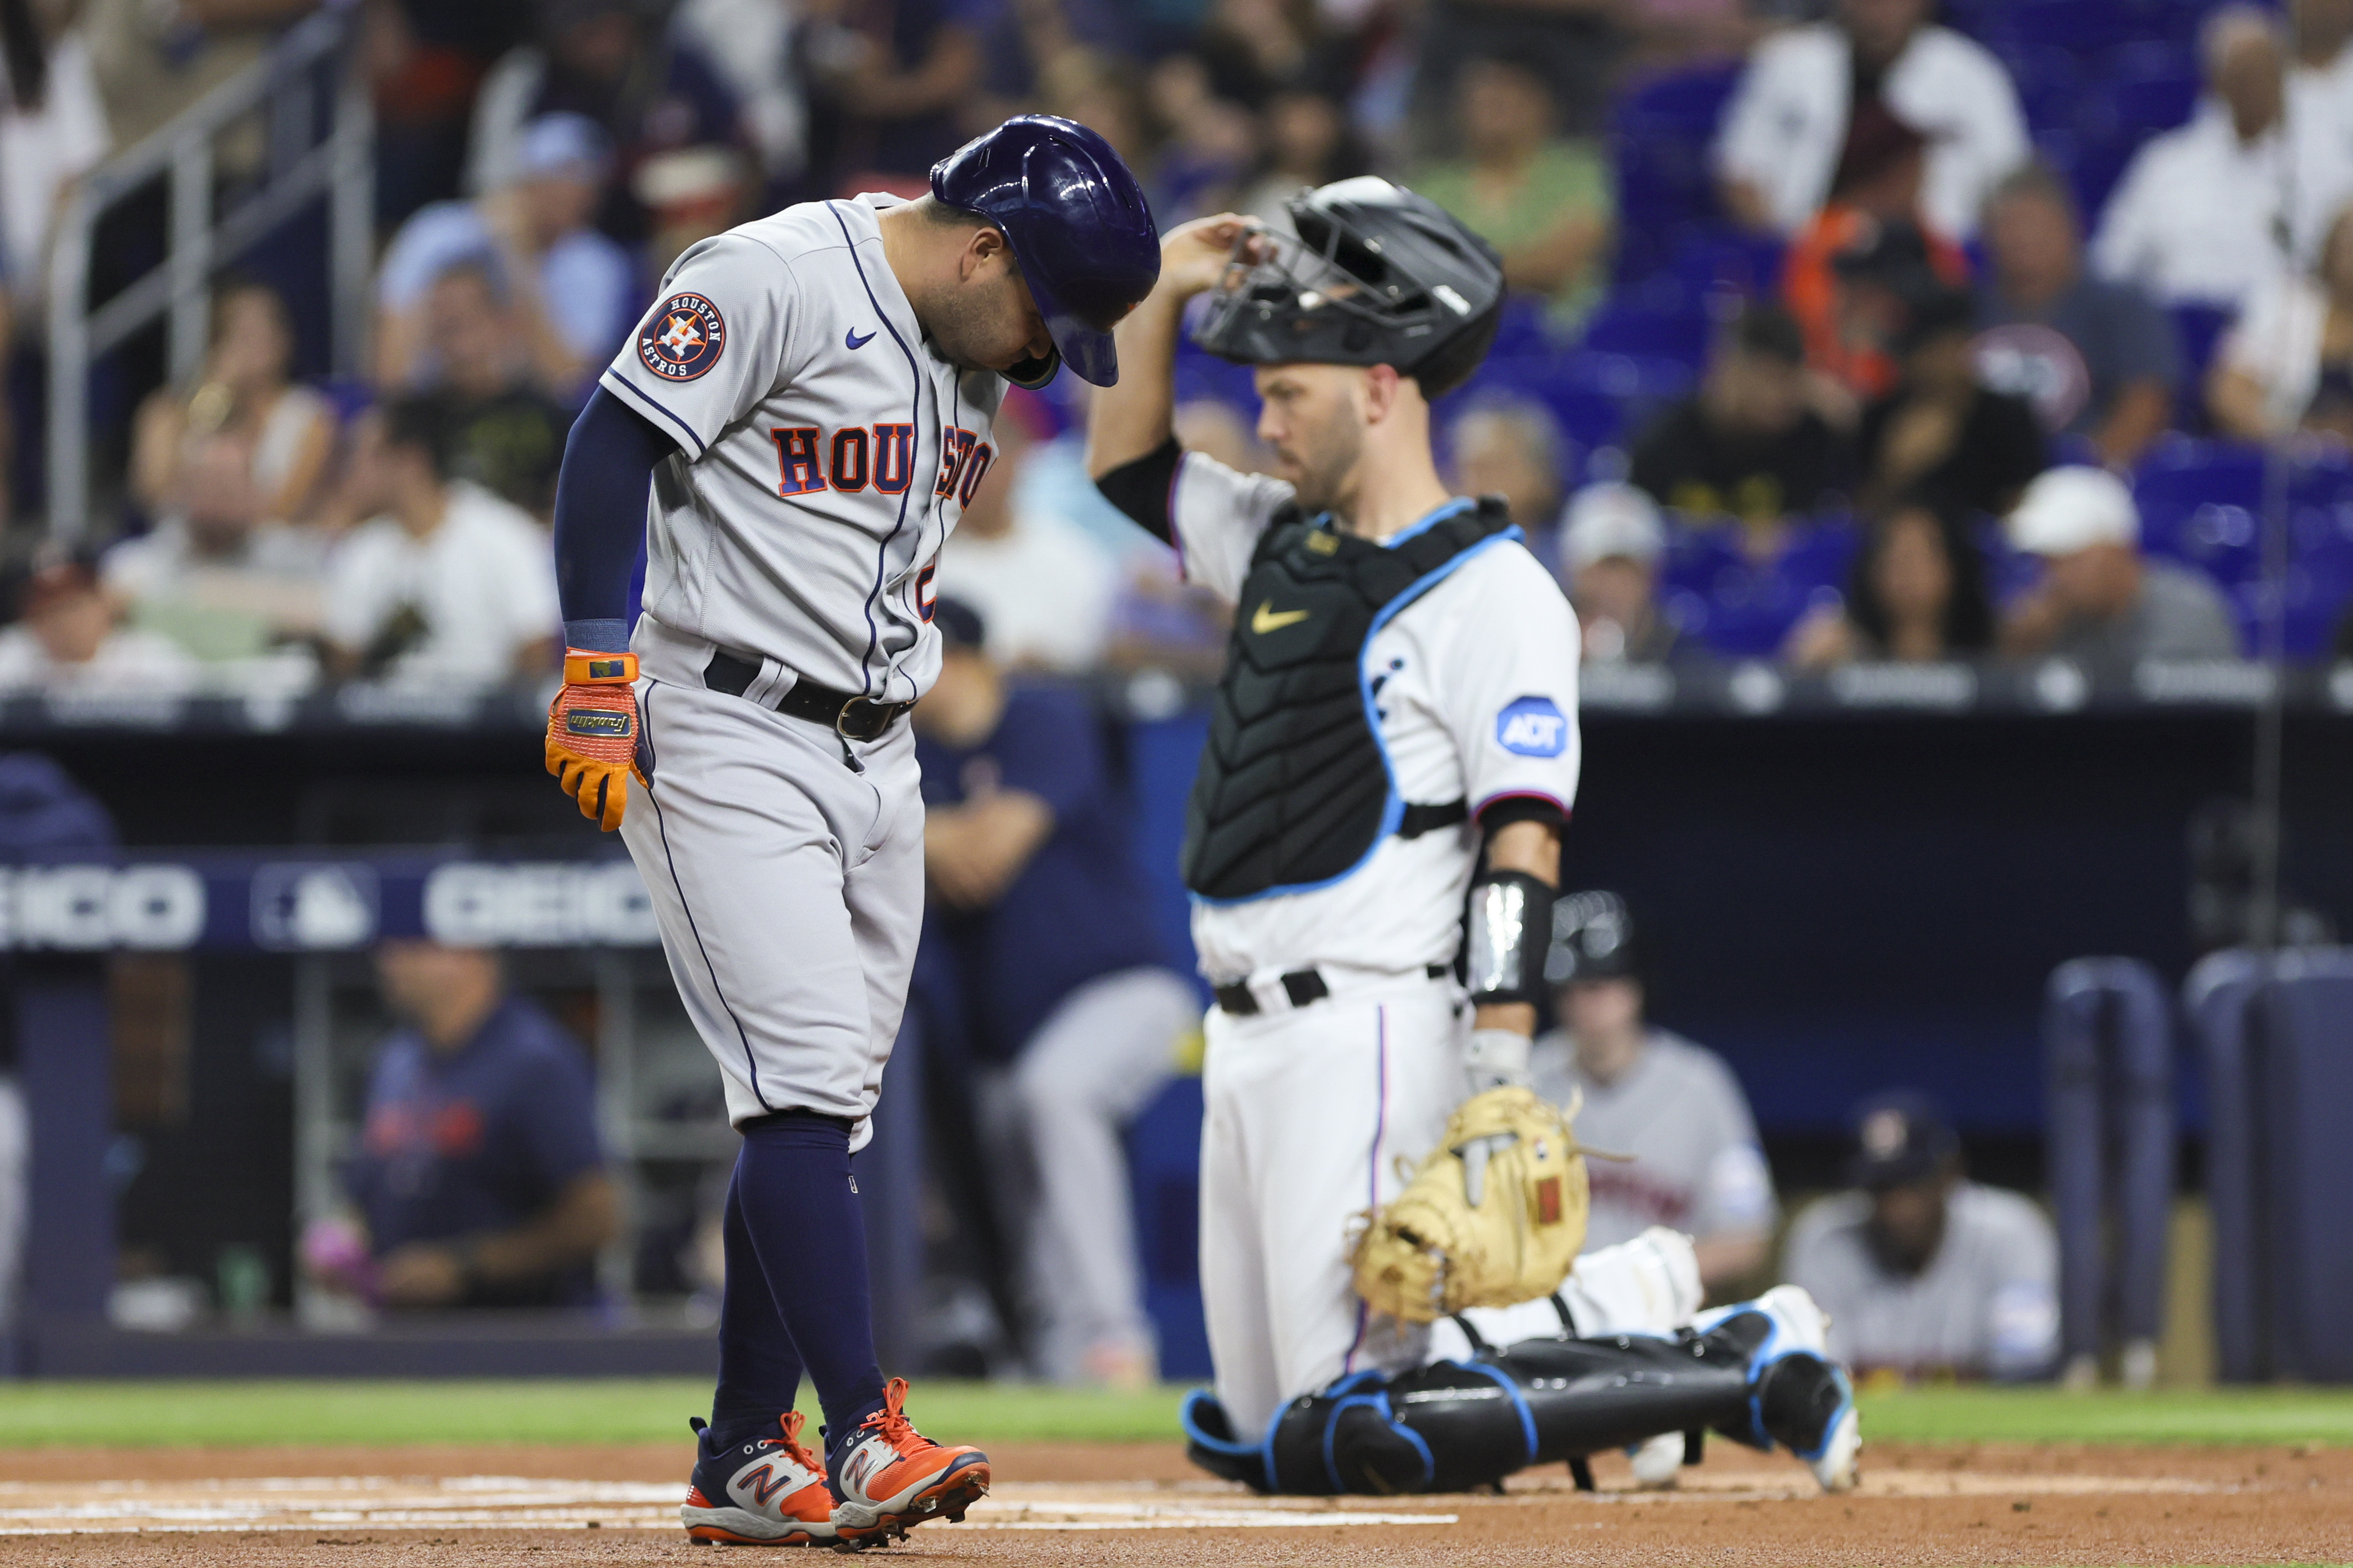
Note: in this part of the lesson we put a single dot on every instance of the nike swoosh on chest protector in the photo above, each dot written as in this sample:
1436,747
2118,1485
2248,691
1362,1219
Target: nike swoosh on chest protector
1265,619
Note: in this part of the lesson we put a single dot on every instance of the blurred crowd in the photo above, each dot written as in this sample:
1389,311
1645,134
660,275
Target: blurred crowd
1842,331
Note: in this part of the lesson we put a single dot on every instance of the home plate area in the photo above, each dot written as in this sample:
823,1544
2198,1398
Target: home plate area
1141,1504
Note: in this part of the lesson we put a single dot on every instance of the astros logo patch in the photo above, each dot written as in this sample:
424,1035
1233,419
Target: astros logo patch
1532,727
684,338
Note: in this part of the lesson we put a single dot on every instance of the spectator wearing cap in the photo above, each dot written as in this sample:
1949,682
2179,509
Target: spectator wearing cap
1547,203
1512,447
1816,100
1610,545
1916,594
1942,431
2287,364
573,291
2205,215
2097,359
1748,445
1071,1011
65,640
2100,601
648,87
1922,1272
1043,587
1697,1165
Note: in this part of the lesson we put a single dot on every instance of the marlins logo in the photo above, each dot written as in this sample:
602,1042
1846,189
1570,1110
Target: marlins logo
683,338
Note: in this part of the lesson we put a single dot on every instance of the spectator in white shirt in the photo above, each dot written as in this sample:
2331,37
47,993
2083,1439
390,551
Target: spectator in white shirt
1811,92
2208,214
2286,363
449,585
574,291
1043,588
67,642
52,132
2322,69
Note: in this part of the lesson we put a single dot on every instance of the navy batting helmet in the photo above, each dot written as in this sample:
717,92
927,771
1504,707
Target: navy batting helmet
1377,276
1078,224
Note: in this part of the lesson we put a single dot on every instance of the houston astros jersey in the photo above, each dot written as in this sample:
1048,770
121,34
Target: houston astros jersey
825,451
1472,688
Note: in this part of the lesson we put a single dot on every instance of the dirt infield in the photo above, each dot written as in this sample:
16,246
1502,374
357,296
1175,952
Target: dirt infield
1054,1504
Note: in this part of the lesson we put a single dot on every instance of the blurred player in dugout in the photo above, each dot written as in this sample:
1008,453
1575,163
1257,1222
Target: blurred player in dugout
479,1180
1696,1165
1057,984
1925,1273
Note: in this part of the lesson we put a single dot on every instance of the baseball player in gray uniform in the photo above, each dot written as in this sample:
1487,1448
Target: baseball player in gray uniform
791,433
1925,1273
1393,739
1694,1160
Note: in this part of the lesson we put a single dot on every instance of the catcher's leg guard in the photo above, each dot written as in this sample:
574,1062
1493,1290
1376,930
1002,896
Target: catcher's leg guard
1211,1442
1799,1399
1301,1453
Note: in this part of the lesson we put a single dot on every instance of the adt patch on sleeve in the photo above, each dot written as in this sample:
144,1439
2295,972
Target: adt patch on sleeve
1532,727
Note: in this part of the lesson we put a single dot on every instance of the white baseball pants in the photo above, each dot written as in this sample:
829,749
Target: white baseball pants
789,890
1056,1119
1310,1111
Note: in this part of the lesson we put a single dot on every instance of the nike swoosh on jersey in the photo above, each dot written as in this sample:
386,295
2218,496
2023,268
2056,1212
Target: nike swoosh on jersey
855,342
1265,619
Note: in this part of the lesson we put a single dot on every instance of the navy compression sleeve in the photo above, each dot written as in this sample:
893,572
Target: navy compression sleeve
600,518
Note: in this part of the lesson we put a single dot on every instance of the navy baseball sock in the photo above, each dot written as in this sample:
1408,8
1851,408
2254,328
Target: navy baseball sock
759,1368
798,1215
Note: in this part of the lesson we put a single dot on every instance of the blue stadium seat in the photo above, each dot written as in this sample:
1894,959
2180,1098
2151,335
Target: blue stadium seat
1679,333
1660,142
2082,25
2198,329
1742,608
2157,100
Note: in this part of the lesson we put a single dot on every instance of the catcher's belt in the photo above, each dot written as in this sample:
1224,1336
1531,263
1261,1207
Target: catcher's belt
1495,1215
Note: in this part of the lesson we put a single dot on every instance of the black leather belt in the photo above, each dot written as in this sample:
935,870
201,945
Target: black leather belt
846,713
1301,986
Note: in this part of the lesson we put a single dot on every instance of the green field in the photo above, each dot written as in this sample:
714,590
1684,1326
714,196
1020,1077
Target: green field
312,1414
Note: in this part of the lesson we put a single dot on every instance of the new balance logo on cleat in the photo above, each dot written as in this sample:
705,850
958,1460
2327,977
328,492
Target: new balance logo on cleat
770,1491
890,1476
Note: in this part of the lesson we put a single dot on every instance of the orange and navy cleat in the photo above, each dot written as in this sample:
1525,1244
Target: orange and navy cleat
770,1491
890,1478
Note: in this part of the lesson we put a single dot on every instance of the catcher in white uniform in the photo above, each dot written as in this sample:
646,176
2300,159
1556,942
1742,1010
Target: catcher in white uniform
790,436
1395,736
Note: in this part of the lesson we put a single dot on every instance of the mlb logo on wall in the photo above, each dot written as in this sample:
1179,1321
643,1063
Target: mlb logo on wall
1532,727
683,338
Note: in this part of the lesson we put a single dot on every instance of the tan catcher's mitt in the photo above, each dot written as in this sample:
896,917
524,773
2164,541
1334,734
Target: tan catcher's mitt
1495,1215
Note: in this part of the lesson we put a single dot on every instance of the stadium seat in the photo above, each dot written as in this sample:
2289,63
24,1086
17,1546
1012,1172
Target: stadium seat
1659,141
1680,334
2078,25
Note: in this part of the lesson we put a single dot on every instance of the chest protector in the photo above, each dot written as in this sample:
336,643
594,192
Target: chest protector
1295,788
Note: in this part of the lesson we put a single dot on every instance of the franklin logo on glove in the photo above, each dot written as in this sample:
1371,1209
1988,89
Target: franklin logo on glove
597,722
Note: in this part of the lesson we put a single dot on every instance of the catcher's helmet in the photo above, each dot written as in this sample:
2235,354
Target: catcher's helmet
1377,276
1592,939
1078,224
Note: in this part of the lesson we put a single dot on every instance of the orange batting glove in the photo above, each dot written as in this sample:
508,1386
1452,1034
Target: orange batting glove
591,732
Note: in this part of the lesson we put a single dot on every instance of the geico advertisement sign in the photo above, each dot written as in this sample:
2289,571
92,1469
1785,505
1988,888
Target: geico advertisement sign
539,906
88,907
